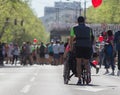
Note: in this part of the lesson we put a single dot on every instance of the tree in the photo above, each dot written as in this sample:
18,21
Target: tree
21,11
108,12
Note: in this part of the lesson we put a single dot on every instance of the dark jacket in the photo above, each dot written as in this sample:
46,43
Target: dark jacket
84,35
117,40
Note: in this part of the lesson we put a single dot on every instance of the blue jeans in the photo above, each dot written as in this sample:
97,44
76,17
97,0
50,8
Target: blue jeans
109,61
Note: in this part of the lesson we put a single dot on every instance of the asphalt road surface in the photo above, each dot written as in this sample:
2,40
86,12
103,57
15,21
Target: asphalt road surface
48,80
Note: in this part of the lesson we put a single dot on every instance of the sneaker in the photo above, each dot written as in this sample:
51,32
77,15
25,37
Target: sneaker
106,72
112,73
97,70
79,82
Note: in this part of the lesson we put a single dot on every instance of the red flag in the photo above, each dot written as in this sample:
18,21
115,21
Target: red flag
96,3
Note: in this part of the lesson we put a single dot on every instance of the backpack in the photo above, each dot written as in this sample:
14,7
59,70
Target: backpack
42,48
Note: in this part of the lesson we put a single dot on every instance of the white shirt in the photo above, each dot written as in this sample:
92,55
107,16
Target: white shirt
10,50
56,48
62,48
101,46
16,51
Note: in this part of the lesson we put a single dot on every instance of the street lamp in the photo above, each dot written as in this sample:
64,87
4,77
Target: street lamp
85,9
57,14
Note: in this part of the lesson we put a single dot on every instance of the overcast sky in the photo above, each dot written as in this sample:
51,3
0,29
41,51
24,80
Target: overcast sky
38,5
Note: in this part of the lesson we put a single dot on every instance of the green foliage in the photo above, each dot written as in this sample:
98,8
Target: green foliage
20,10
108,12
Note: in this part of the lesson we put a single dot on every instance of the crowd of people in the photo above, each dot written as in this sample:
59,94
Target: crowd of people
27,53
107,51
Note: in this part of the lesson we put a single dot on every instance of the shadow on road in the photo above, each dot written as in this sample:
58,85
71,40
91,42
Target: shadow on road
11,66
84,85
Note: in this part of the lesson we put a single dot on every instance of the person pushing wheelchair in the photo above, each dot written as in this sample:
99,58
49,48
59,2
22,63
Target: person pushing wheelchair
84,38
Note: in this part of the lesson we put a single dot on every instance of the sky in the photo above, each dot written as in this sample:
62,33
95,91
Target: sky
38,5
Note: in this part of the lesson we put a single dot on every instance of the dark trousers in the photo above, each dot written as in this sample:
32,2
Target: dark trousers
109,61
118,59
15,58
1,58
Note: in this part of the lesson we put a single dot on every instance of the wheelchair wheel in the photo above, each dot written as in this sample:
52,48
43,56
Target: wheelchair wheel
66,71
86,78
83,75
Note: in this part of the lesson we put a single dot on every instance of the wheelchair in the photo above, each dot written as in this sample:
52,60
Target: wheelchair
70,66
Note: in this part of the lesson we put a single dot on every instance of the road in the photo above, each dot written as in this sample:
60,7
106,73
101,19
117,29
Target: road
48,80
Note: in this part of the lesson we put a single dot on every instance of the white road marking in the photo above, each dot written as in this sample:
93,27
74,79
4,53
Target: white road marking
2,73
32,79
89,88
26,89
36,74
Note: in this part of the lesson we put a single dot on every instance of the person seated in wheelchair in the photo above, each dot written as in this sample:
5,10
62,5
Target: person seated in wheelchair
71,58
94,60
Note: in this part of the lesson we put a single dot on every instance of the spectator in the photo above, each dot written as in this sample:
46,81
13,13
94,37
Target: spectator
51,53
56,52
109,52
61,51
34,56
42,53
10,56
117,44
1,54
15,53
